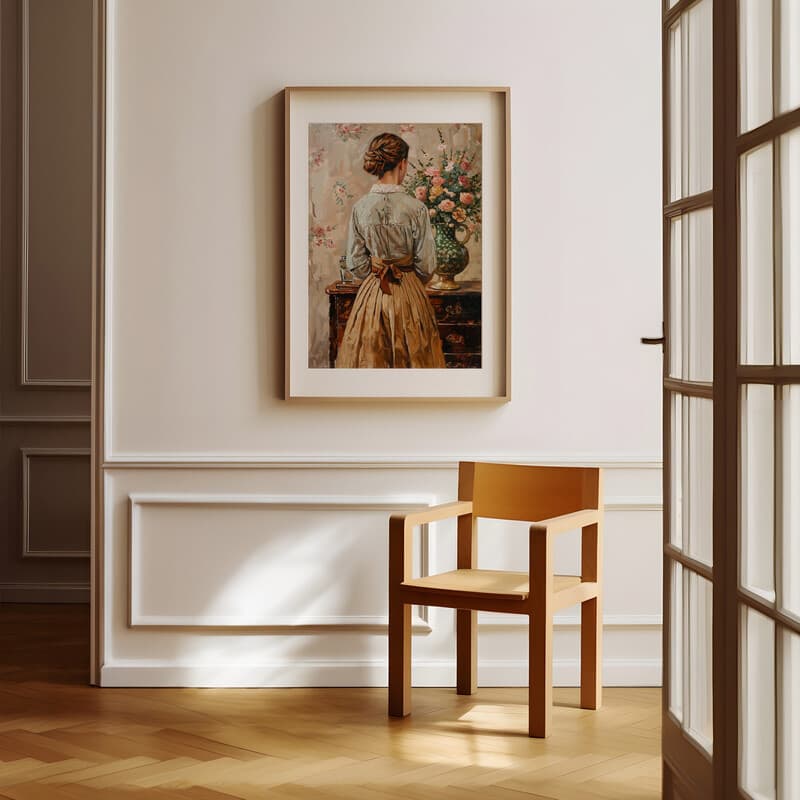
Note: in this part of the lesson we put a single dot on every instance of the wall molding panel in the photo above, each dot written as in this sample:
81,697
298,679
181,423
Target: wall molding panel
29,453
26,380
51,592
489,620
32,419
184,461
293,503
273,646
45,301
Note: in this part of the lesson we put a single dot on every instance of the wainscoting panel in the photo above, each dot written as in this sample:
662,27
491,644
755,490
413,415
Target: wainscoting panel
44,467
55,502
274,574
45,299
274,569
55,330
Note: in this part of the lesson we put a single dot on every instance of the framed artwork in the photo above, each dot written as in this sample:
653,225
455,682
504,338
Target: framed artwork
397,243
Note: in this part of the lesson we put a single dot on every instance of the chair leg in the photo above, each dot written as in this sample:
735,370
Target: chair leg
591,654
466,652
399,659
540,673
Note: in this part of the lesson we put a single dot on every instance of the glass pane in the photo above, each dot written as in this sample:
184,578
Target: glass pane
757,734
790,57
789,718
700,466
790,240
758,482
676,641
700,721
677,432
755,193
699,88
676,111
690,102
790,563
676,311
701,295
755,63
691,296
757,764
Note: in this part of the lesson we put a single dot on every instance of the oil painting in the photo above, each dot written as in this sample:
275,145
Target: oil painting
394,245
397,243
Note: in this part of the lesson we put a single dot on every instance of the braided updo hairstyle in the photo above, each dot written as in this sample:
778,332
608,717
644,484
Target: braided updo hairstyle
384,153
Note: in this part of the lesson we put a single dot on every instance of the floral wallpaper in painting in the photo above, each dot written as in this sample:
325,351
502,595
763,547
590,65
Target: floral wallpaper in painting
337,179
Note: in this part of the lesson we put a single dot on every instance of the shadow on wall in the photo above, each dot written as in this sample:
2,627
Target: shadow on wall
269,243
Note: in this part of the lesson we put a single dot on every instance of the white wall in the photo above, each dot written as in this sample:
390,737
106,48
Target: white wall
195,328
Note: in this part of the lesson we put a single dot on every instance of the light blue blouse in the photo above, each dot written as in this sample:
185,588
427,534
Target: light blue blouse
389,223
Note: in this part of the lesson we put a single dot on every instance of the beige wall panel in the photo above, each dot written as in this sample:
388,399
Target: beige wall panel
45,311
15,569
56,502
14,399
57,172
197,211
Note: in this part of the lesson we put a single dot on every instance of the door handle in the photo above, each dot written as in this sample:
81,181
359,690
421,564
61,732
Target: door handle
654,339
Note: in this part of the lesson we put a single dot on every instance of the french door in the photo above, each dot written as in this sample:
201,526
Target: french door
731,80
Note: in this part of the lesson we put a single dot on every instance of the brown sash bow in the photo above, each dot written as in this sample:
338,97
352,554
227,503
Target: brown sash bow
390,270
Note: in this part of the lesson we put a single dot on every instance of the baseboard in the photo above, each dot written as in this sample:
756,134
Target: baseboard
616,672
44,593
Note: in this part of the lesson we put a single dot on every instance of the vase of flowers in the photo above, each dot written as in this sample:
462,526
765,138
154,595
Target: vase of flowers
451,190
452,256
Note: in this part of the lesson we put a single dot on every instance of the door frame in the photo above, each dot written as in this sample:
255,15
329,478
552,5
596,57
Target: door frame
99,132
688,771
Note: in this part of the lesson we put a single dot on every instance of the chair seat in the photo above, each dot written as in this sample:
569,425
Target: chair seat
499,585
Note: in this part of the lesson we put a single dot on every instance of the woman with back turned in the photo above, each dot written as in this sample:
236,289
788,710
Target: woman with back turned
390,245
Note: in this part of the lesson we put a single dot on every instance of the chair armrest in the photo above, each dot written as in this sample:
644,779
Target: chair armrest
401,528
459,508
567,522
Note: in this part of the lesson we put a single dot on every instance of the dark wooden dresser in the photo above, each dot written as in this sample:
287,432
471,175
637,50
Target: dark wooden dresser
458,313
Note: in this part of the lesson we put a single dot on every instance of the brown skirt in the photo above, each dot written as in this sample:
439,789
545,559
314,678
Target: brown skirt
391,330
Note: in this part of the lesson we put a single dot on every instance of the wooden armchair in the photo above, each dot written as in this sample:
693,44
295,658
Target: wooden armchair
555,500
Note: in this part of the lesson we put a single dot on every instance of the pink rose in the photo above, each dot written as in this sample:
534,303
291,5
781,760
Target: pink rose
465,165
466,198
464,180
431,171
421,193
447,205
432,212
437,180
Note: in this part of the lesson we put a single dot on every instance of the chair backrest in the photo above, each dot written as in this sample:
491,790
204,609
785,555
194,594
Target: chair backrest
529,493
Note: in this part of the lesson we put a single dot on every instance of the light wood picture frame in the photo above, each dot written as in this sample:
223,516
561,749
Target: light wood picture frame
458,173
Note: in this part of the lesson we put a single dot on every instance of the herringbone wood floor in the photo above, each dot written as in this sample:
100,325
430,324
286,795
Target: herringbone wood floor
63,740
